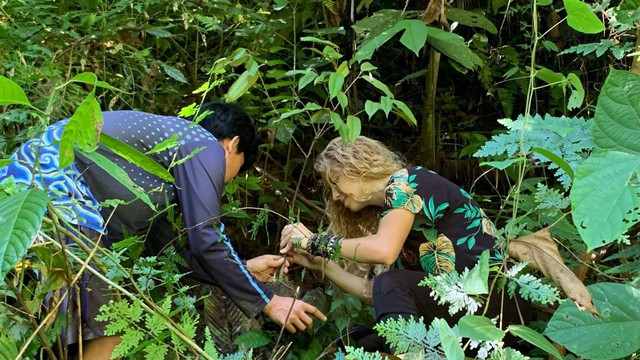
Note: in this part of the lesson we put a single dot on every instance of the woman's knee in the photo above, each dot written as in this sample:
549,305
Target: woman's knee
388,281
393,296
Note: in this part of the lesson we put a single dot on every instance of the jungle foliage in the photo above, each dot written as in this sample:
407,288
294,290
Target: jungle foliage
533,106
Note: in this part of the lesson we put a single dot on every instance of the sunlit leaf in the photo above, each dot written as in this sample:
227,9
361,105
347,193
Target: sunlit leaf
378,84
20,218
479,328
449,341
414,36
581,18
477,282
335,84
11,93
136,157
119,175
242,84
404,110
354,127
83,129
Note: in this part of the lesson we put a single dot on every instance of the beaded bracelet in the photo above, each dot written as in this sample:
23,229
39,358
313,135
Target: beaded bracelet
323,245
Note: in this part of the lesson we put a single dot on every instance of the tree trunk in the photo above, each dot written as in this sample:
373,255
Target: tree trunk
635,66
428,151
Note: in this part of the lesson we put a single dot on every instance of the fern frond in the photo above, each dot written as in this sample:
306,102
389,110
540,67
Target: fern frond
411,337
550,201
569,138
360,354
530,287
448,288
508,354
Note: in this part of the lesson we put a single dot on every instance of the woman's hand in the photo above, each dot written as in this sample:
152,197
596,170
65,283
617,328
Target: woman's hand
306,260
263,267
292,235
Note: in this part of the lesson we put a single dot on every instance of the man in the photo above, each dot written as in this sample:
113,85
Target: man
220,145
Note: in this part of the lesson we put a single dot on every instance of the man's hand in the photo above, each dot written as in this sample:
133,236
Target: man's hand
262,267
278,308
293,234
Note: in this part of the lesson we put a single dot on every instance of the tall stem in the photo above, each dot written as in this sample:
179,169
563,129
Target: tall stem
527,115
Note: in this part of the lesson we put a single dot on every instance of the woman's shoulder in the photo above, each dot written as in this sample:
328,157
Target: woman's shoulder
426,177
426,182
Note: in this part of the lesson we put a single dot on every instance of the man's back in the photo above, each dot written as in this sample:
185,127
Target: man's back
143,132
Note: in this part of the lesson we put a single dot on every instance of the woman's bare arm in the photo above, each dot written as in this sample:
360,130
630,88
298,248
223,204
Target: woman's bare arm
346,281
384,246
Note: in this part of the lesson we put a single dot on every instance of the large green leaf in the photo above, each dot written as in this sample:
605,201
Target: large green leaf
555,159
535,338
405,112
136,157
628,11
11,93
449,341
603,205
551,77
454,47
242,84
470,18
367,50
120,175
174,73
378,84
82,129
477,282
581,18
617,118
479,328
20,218
414,36
614,334
8,348
353,127
335,84
370,27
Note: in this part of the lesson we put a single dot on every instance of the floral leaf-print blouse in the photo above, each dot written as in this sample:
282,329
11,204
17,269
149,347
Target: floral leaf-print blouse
450,230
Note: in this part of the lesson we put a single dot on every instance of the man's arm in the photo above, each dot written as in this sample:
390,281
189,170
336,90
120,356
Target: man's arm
200,182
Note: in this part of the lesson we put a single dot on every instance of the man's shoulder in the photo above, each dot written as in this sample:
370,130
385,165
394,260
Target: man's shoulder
118,114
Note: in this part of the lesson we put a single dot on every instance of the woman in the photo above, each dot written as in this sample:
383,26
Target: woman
427,225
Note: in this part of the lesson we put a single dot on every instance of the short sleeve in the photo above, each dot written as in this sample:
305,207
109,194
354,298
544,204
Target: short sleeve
401,193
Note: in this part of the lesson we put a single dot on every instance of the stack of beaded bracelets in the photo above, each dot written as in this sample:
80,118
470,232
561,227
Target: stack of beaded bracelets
323,245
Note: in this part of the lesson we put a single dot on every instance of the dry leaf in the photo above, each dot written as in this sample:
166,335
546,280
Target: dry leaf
435,13
541,252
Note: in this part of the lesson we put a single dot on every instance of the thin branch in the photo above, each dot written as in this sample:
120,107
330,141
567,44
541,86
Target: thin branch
32,320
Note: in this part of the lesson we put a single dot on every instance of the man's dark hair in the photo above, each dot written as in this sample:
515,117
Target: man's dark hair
227,121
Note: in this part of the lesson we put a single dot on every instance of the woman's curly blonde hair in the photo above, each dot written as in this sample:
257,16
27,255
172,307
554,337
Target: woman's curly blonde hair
364,158
367,159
